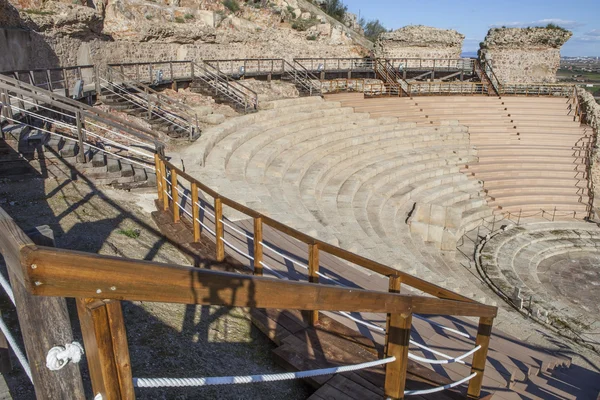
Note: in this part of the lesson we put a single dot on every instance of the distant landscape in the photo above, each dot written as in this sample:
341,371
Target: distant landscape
584,71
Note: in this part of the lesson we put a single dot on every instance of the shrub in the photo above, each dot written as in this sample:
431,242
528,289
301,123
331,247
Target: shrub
149,16
179,20
232,5
372,28
554,26
304,24
188,16
290,10
335,8
130,233
311,37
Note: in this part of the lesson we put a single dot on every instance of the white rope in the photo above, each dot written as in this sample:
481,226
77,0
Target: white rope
13,344
271,270
7,288
361,322
116,133
448,361
285,257
205,210
59,356
444,327
233,228
439,388
249,257
206,227
232,380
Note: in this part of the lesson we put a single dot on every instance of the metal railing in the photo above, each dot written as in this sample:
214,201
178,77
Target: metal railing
74,121
221,83
57,79
154,104
336,64
536,89
434,64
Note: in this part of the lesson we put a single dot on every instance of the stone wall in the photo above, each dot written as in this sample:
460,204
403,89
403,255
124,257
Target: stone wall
417,41
524,55
592,111
24,49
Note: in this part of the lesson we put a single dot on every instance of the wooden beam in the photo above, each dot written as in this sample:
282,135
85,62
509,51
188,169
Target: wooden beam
219,229
175,195
258,248
397,346
44,321
75,274
313,277
106,348
479,358
195,212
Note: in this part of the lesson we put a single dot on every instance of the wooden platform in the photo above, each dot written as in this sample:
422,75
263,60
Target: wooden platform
303,347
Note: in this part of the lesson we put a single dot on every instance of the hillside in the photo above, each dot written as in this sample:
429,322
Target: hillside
137,30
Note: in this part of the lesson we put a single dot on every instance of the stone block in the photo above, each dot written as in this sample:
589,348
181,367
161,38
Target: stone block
435,234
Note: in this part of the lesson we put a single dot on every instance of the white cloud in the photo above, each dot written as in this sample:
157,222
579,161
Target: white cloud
593,32
568,24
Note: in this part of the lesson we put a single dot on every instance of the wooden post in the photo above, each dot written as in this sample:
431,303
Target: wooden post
313,277
398,337
195,212
258,250
219,232
44,321
395,283
478,366
163,171
106,348
80,137
157,165
175,195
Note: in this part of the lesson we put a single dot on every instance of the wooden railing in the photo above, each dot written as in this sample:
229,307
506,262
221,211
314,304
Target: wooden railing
536,89
100,282
443,302
433,64
254,66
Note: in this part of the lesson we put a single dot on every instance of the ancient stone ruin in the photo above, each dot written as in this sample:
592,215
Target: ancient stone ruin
524,55
418,41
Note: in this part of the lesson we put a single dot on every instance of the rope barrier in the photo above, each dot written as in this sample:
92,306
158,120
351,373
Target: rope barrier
7,288
13,345
439,388
233,380
448,359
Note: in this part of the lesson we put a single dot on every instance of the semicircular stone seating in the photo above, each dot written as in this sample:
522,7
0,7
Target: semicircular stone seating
531,152
550,268
349,179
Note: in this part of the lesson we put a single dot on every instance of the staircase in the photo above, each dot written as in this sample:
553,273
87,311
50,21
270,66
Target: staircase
167,115
306,82
210,81
51,135
486,75
386,72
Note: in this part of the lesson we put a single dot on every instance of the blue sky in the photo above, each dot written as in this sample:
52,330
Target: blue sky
474,18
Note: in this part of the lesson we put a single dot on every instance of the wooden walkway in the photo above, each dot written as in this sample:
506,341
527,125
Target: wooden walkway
509,360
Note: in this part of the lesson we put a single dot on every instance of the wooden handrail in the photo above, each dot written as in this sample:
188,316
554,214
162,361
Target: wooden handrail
364,262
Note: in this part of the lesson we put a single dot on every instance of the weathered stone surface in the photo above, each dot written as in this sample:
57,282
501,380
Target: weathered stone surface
9,16
418,41
67,20
524,55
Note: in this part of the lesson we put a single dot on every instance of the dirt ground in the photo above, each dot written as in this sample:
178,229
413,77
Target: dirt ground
165,340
